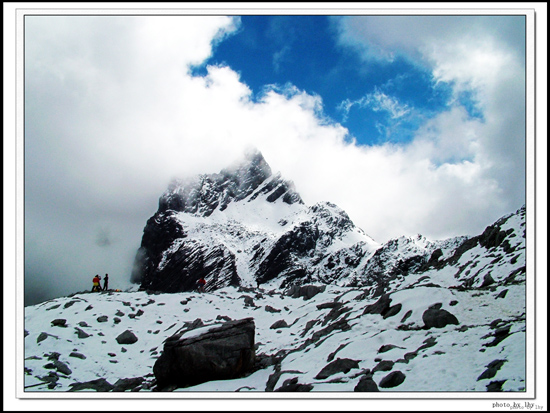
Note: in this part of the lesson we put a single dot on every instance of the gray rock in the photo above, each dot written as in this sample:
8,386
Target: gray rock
102,319
387,347
492,369
62,367
77,355
279,324
270,309
292,385
59,322
305,291
221,353
99,385
127,384
337,366
81,333
394,379
42,336
384,365
126,338
438,318
366,384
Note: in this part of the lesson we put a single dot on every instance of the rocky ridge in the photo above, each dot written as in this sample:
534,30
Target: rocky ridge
246,226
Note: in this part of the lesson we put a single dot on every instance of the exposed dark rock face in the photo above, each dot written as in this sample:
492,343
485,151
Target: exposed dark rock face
220,353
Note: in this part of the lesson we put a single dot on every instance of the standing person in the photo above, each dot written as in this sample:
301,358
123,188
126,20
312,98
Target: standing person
106,283
201,282
95,281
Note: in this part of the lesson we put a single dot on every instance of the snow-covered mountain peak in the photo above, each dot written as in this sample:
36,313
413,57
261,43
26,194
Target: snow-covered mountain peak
248,180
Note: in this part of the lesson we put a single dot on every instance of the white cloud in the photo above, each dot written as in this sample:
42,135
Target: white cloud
376,101
112,114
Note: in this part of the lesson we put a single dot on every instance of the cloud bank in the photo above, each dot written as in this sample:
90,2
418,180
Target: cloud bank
113,113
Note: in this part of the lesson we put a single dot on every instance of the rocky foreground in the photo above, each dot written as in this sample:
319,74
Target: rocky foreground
419,338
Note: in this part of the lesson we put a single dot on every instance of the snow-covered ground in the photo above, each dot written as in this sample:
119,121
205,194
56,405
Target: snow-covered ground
454,358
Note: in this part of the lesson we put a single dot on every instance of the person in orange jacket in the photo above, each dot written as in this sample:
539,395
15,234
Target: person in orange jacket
96,286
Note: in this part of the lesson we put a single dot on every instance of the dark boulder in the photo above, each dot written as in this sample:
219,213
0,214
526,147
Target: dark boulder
394,379
337,366
126,338
366,384
279,324
292,385
59,322
438,318
220,353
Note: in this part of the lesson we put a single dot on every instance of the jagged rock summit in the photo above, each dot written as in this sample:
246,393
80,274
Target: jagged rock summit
244,226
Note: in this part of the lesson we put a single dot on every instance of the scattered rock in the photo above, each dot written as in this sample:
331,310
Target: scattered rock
487,281
83,324
438,318
270,309
394,379
102,319
500,334
127,338
292,385
384,365
81,333
127,384
305,291
387,347
393,310
62,367
492,369
406,316
43,336
366,384
99,385
59,322
77,355
495,386
279,324
337,366
328,305
502,294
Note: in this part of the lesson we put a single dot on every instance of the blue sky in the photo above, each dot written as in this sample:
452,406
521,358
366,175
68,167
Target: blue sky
377,101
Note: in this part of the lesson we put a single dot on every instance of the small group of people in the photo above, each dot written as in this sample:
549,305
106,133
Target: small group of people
97,283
